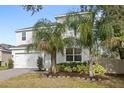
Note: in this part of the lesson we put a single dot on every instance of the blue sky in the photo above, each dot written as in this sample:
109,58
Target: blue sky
14,17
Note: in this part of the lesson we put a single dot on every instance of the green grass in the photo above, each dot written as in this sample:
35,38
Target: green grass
3,68
36,80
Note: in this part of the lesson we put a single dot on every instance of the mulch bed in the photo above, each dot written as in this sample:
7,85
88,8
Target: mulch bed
115,75
74,74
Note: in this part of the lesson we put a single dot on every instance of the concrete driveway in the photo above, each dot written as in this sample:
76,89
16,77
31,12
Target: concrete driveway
7,74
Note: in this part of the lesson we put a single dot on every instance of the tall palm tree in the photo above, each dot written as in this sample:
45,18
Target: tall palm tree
48,37
83,23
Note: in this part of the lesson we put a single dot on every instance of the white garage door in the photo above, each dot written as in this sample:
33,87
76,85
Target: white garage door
25,60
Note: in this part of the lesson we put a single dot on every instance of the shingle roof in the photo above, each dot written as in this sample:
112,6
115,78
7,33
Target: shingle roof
23,45
24,29
5,47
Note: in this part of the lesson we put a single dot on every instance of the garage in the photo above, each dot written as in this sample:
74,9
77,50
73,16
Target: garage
25,60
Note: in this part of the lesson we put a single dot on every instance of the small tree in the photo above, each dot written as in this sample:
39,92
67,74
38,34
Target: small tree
10,63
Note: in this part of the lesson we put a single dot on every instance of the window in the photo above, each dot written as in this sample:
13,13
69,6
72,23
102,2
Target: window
23,35
69,54
77,54
73,54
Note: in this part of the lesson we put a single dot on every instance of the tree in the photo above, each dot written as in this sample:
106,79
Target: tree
109,26
83,23
111,30
32,8
48,37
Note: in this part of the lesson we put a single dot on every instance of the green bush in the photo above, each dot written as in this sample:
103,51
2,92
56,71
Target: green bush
40,63
98,70
81,68
86,69
68,69
73,67
61,67
10,63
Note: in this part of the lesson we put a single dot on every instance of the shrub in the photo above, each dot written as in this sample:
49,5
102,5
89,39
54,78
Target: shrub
83,68
61,67
40,63
86,69
98,70
72,64
80,68
10,63
74,69
68,69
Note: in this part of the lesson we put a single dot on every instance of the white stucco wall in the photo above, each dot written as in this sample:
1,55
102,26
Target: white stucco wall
19,40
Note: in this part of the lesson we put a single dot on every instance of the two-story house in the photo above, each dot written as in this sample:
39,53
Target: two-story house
5,54
22,59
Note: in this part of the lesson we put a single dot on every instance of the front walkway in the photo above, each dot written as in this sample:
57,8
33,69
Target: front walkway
7,74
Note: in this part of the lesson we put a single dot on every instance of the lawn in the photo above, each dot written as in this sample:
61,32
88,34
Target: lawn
3,68
35,80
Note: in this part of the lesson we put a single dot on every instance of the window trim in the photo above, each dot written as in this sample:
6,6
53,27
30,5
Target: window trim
73,54
23,36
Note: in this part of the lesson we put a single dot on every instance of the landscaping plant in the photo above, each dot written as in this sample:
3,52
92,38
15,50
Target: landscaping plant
68,69
98,70
10,63
74,67
40,63
81,68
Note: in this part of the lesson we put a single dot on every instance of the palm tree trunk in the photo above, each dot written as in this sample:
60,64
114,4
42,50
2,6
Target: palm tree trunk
91,66
53,61
91,69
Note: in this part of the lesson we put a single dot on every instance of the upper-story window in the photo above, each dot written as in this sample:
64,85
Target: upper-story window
23,35
73,54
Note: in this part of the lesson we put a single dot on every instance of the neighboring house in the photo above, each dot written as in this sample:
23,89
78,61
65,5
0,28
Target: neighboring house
22,59
5,54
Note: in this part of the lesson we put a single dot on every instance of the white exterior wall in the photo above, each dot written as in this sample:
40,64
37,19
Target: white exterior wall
19,40
68,33
22,59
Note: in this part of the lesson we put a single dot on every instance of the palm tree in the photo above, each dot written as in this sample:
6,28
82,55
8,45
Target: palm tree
83,23
48,37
